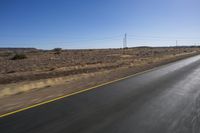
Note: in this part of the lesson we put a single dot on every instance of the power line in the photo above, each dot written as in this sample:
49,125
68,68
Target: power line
141,39
97,39
162,37
117,37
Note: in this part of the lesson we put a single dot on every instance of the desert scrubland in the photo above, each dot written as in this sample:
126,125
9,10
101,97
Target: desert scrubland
29,76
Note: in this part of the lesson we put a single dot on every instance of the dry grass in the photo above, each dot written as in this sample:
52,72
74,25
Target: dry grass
41,69
35,84
47,64
18,88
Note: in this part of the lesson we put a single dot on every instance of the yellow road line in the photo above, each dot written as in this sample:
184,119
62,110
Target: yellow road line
84,90
74,93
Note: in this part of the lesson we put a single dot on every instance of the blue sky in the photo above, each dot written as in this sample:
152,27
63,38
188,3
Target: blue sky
98,23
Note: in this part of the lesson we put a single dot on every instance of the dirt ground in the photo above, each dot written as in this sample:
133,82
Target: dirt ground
48,64
44,75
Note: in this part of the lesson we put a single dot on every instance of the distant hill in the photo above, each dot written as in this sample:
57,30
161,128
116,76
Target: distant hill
18,49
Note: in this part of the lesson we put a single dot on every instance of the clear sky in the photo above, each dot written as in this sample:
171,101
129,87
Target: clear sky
98,23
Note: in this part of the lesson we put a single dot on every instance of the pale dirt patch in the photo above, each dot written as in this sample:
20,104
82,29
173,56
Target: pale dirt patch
126,56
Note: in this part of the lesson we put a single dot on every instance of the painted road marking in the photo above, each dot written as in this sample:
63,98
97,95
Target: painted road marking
84,90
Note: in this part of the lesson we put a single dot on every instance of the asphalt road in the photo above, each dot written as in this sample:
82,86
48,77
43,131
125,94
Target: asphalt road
165,100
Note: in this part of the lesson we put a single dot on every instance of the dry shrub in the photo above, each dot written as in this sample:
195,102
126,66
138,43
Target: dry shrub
19,57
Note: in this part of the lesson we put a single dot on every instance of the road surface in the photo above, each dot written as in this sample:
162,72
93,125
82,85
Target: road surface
165,100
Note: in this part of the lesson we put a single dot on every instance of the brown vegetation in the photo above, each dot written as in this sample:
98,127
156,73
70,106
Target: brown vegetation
47,64
44,75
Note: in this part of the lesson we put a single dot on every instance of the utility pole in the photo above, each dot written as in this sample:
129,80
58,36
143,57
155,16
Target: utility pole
179,48
176,43
125,41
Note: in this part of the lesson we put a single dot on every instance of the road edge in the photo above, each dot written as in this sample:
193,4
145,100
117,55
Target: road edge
95,87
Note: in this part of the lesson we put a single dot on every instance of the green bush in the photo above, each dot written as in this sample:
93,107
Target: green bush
19,57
